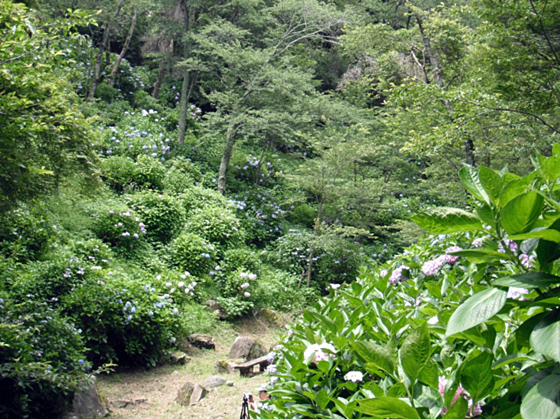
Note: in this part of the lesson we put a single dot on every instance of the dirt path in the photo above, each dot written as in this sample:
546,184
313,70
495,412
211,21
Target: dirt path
151,394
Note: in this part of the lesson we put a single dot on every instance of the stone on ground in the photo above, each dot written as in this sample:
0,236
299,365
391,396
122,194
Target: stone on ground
224,366
198,394
217,309
214,381
271,317
257,351
190,394
201,341
241,347
87,404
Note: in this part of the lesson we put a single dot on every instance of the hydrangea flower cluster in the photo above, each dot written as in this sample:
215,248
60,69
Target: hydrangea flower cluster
317,352
398,276
354,376
432,267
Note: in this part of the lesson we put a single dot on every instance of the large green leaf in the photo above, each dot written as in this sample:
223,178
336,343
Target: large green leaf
471,180
479,255
492,183
542,401
387,407
519,215
459,409
545,337
546,234
443,220
515,188
550,167
415,351
477,376
374,354
476,310
530,280
548,250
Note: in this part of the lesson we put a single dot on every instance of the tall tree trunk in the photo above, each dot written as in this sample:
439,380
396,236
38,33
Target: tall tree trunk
124,49
186,88
159,82
97,72
226,157
469,145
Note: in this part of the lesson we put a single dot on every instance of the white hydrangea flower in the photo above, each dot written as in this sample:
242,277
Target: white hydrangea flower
252,277
243,274
247,294
354,376
168,284
181,284
245,285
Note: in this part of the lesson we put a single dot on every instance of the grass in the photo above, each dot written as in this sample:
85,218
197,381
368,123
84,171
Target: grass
152,393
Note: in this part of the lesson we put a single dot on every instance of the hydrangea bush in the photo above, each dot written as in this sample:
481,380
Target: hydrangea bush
460,325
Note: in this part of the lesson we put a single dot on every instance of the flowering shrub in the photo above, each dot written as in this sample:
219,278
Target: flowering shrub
217,225
192,253
182,175
242,259
116,223
25,233
459,325
42,360
162,214
199,197
124,320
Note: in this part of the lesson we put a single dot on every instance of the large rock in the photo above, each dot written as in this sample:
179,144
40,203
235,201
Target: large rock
241,347
214,381
190,394
247,348
175,358
225,366
271,317
217,309
201,341
198,394
87,404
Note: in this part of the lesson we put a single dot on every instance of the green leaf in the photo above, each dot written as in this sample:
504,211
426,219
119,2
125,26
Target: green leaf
415,351
479,255
485,214
548,251
545,338
492,183
542,401
515,188
476,310
459,409
429,374
375,354
470,178
477,376
519,215
530,280
443,220
550,167
387,407
546,234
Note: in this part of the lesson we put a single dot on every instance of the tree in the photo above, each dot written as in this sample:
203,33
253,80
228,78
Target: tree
44,135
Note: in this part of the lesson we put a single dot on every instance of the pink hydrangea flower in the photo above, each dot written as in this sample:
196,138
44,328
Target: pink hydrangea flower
397,275
450,258
433,266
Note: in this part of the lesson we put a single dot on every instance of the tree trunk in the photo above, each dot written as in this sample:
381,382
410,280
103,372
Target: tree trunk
224,164
159,82
469,145
186,88
98,61
125,48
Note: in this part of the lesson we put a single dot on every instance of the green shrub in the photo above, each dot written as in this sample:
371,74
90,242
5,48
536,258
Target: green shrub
118,171
163,214
116,223
196,318
182,176
25,233
278,290
192,253
42,360
199,197
217,225
149,173
124,320
240,259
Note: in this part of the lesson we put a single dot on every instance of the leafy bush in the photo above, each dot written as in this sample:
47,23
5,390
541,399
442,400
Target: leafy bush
182,176
278,290
217,225
192,253
115,223
25,233
149,173
42,360
199,197
456,326
163,214
240,259
122,172
124,320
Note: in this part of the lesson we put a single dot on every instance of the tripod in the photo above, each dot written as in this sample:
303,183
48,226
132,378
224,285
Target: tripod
245,408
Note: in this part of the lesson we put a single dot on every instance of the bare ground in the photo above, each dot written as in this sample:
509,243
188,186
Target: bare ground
150,394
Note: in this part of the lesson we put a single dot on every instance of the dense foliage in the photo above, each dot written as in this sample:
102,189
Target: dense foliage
157,157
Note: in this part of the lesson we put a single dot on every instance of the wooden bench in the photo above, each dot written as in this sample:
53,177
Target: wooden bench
248,369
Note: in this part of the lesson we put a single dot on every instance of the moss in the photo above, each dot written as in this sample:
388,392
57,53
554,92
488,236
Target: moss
271,317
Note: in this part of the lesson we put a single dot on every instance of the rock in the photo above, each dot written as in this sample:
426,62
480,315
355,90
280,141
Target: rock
214,381
201,341
121,404
217,309
241,347
87,403
175,358
230,383
224,366
185,346
271,317
257,351
198,394
184,394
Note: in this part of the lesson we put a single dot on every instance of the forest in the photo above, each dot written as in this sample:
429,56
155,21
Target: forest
386,171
